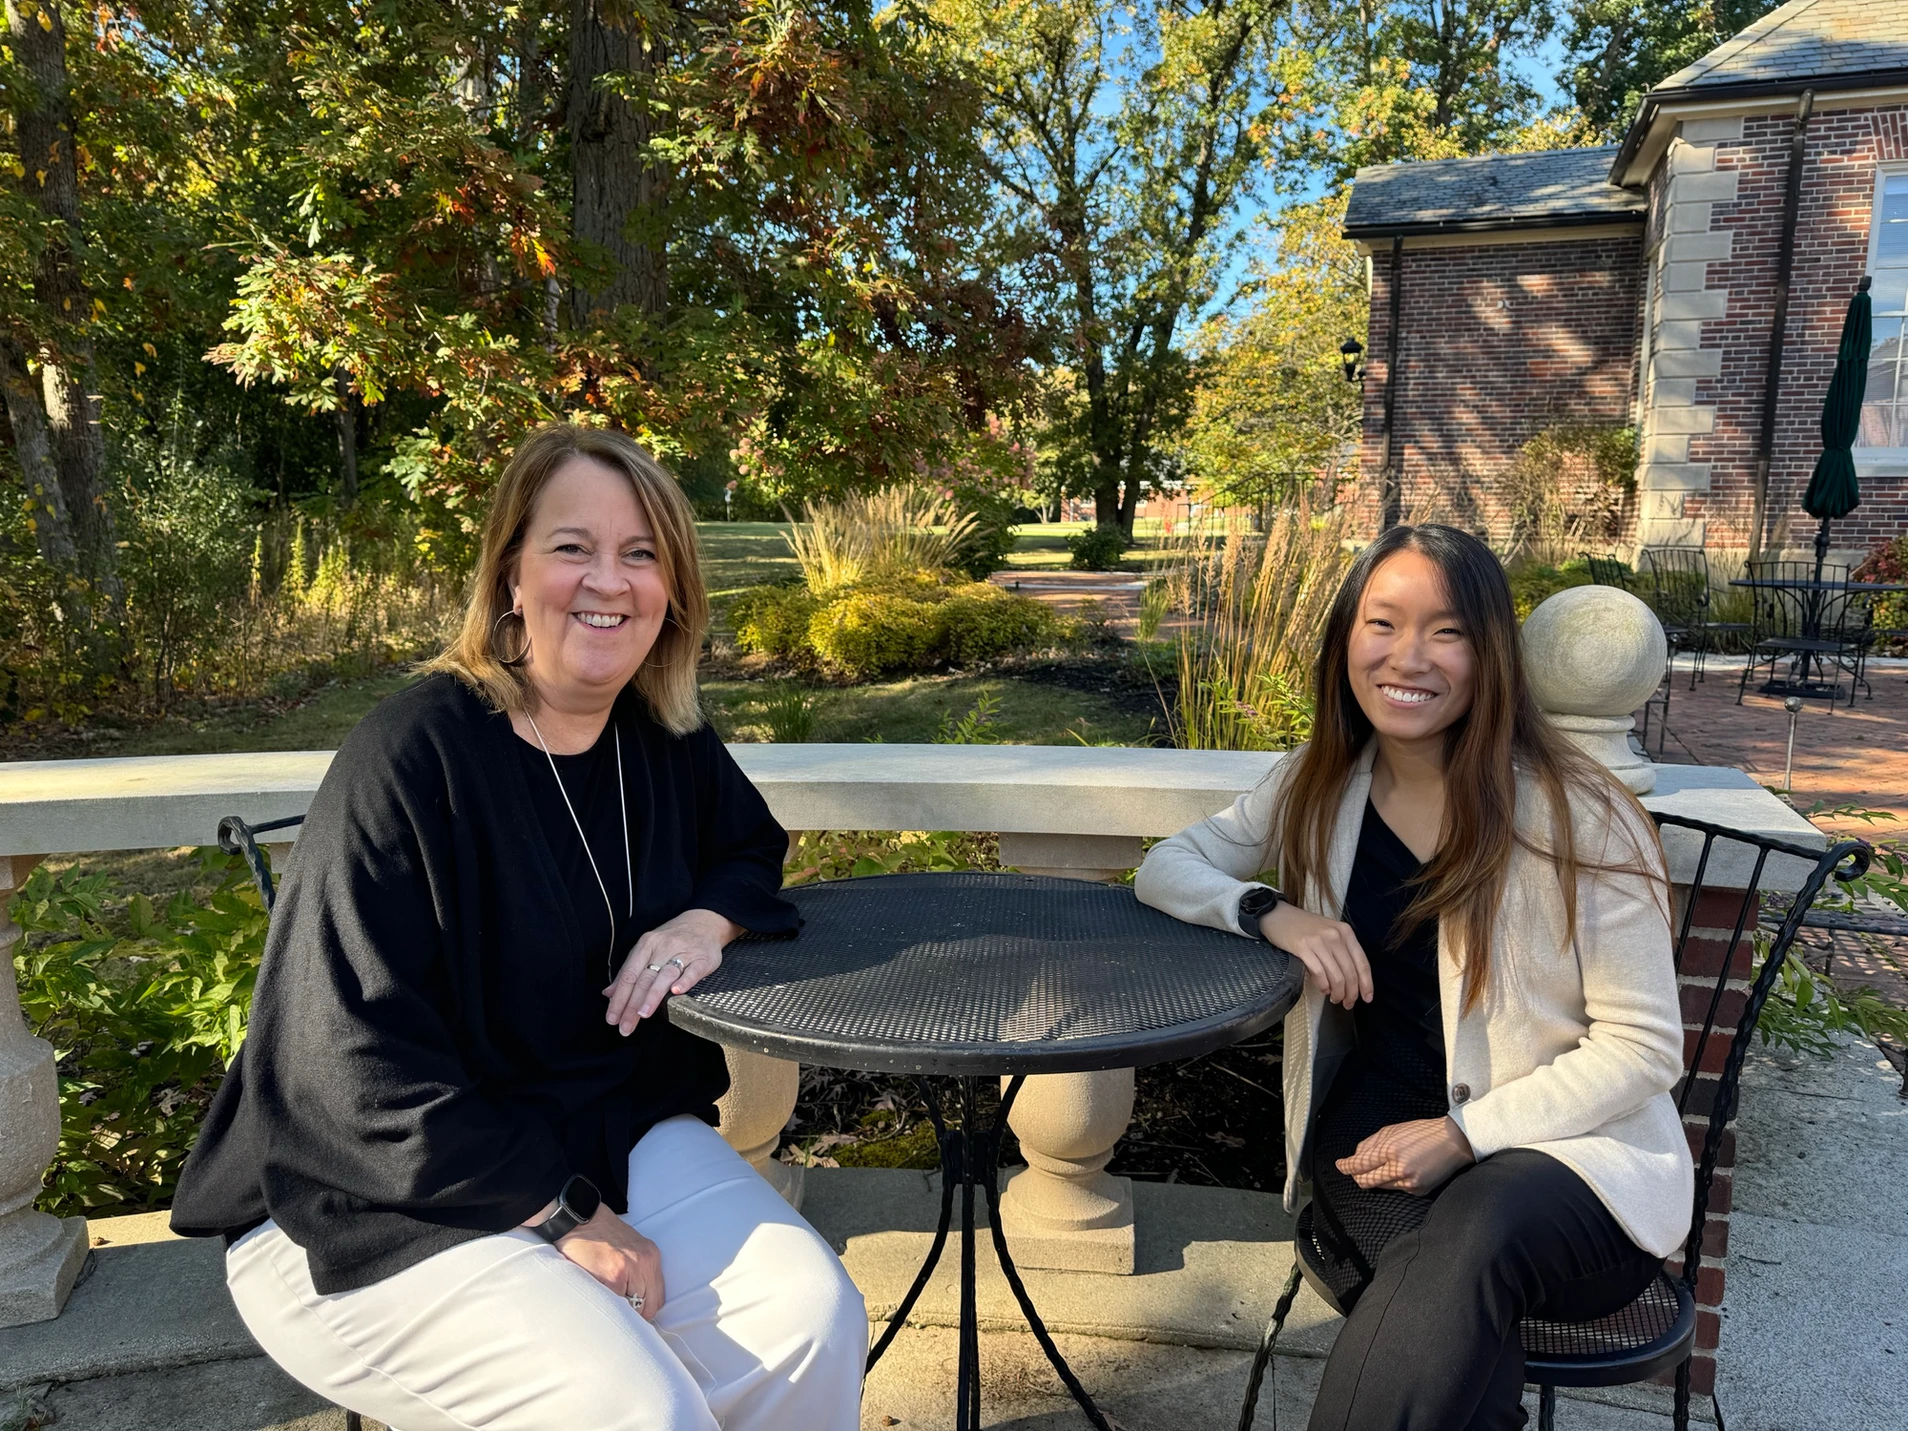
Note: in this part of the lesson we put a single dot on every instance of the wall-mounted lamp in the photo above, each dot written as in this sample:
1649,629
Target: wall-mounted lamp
1349,351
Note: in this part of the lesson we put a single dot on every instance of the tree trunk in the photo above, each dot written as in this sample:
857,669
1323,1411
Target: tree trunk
347,443
46,502
617,212
44,124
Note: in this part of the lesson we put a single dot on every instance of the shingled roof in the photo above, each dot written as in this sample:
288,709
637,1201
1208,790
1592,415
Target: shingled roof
1805,40
1556,189
1823,45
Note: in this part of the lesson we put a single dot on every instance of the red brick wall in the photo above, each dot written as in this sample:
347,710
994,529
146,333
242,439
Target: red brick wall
1499,342
1831,253
1703,959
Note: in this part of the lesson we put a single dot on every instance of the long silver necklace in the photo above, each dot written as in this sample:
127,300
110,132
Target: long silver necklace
629,869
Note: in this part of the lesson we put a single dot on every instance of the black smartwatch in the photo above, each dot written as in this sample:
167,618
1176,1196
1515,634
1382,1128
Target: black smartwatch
576,1205
1254,905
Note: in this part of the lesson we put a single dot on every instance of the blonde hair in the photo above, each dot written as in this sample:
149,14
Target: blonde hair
666,680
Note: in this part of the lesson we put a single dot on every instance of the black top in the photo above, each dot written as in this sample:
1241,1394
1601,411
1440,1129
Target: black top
427,1060
1401,1031
974,973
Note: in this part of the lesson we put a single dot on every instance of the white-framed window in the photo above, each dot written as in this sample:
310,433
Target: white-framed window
1884,431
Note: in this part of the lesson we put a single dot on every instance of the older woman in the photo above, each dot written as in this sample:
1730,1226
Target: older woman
466,1175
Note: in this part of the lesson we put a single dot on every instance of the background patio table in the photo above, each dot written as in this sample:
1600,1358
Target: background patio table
1810,598
977,976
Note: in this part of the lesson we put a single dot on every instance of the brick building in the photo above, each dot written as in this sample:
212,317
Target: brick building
1658,284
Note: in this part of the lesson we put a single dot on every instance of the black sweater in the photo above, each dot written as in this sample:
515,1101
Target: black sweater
427,1059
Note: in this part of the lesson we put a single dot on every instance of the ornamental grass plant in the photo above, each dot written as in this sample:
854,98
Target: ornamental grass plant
1255,605
897,533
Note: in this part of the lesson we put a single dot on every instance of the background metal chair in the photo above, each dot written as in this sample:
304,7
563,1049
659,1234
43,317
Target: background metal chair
1608,571
238,838
1657,1331
1681,596
1819,626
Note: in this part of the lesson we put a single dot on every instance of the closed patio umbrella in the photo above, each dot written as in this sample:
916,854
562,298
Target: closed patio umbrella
1834,491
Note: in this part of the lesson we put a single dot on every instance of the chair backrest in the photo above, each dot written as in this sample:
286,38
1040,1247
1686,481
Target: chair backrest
1716,934
1608,571
236,837
1679,584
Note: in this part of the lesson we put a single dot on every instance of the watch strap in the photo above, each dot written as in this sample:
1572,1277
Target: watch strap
567,1218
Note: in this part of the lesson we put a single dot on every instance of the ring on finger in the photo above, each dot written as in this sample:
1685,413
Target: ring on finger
635,1300
656,968
677,961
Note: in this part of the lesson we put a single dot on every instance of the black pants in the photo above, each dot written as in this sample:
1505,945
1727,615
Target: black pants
1430,1343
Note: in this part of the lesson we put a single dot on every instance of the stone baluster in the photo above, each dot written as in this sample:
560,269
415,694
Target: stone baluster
1593,655
40,1255
754,1112
1064,1210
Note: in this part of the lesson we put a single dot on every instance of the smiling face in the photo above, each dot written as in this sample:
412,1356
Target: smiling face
590,586
1411,664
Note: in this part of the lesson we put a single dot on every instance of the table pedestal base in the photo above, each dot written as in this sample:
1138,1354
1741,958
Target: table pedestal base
970,1156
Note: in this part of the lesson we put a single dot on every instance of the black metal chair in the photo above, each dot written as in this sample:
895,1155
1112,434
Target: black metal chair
1657,1331
1819,626
1680,594
236,837
1608,571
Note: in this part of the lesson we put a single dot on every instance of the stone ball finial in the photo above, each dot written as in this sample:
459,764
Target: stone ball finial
1594,654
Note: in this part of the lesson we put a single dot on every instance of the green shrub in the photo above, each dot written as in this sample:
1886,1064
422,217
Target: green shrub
143,1026
992,535
1532,583
866,633
773,620
1097,549
981,622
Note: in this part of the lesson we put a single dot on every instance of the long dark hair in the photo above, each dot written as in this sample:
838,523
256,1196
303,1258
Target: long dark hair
1502,735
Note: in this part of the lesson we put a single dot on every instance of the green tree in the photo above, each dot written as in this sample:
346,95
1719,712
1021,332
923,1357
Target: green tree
1620,49
47,368
1124,142
1273,411
1388,80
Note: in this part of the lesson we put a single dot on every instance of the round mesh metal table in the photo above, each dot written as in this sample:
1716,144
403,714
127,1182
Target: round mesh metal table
987,973
974,976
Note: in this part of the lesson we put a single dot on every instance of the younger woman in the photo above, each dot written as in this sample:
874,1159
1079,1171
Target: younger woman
1477,1077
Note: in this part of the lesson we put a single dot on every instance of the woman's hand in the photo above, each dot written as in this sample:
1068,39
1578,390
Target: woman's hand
671,959
1328,950
1414,1157
619,1257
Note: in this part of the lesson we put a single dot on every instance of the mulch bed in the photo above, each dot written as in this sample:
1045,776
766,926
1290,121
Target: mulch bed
1213,1121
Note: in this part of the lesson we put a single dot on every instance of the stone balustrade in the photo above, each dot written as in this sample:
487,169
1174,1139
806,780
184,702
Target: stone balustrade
1079,812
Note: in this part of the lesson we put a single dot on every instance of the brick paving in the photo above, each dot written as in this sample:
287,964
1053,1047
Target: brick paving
1846,757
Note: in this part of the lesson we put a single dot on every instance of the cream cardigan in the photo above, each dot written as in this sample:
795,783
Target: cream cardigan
1572,1048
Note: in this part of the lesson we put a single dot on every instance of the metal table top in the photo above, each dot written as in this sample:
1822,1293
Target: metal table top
1858,588
980,974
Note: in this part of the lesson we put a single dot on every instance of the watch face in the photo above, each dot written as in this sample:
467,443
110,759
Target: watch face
581,1198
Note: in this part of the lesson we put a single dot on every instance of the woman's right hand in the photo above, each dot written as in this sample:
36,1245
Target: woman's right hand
619,1257
1328,949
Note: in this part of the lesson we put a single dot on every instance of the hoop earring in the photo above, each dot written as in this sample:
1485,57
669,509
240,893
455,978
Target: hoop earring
523,652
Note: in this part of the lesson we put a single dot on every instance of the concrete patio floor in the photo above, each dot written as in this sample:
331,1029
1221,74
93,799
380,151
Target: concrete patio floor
1815,1334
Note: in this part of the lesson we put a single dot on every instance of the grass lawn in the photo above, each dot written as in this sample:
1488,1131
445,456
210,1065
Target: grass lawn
913,710
739,554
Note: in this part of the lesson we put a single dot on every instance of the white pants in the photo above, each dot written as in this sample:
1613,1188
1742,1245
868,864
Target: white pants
760,1327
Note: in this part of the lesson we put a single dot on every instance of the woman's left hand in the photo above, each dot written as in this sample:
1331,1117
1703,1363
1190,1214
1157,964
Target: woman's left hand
1413,1157
671,959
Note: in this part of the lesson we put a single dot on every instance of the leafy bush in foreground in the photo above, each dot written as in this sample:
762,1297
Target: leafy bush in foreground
142,1026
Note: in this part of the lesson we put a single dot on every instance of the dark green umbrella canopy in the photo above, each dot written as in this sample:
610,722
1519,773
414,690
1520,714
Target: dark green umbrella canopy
1833,491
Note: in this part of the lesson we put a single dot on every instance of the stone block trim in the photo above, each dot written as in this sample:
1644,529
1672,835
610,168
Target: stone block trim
1684,301
1500,341
1841,154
